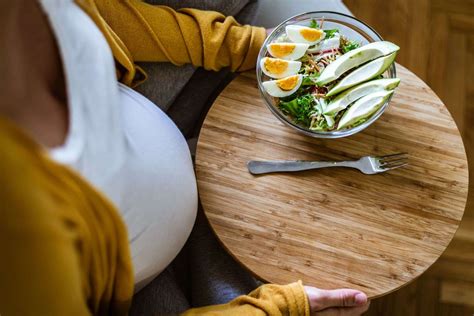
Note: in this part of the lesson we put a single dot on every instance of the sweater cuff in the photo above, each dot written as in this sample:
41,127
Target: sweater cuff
257,38
300,297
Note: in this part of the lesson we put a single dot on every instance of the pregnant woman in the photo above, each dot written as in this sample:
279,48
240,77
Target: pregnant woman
98,189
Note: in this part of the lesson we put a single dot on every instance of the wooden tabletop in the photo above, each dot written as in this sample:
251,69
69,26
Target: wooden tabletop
333,228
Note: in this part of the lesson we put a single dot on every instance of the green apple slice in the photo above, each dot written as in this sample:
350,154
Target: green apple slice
343,100
355,58
366,72
363,108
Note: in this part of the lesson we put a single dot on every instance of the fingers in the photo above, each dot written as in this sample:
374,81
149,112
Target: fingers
323,299
343,311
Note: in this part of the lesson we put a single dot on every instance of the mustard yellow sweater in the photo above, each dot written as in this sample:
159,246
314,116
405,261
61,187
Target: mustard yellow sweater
65,249
64,246
137,31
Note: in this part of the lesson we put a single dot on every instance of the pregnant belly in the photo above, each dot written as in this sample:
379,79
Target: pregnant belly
158,199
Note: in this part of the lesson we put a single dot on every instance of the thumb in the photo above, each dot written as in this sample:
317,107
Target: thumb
322,299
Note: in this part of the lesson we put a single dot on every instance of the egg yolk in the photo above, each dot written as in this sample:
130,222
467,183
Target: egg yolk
275,66
311,34
287,83
282,50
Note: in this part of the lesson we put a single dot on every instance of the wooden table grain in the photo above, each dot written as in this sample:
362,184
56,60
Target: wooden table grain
333,228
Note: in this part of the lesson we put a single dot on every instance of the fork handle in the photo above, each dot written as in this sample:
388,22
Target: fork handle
269,166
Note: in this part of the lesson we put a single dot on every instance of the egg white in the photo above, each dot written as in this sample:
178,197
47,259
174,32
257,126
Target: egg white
292,69
274,90
297,53
332,43
293,33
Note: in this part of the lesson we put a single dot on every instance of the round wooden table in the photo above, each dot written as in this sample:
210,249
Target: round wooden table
333,228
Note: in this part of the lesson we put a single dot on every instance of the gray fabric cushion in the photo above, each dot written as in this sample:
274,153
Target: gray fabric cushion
273,12
166,80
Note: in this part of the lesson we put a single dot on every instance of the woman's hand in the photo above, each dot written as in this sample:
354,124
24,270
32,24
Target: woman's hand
342,302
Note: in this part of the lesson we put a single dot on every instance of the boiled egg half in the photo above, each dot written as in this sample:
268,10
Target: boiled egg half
283,87
304,34
288,51
279,68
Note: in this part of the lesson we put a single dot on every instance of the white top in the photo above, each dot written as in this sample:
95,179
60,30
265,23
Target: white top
123,144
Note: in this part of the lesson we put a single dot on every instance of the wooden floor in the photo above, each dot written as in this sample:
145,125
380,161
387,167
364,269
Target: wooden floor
437,43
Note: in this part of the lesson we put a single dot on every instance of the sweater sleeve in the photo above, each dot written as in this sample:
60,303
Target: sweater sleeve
154,33
39,270
270,299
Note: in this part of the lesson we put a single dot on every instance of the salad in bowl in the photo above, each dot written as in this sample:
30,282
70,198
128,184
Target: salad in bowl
325,76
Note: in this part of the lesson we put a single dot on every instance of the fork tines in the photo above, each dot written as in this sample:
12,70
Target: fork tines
393,161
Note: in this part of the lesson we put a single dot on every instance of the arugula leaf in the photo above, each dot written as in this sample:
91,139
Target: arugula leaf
299,108
331,33
310,80
314,24
349,45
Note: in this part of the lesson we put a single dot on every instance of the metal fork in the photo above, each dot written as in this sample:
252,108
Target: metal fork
367,164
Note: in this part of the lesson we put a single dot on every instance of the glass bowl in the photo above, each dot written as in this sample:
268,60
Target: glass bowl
349,27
